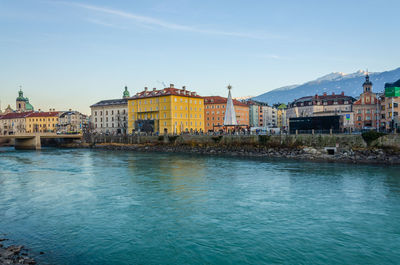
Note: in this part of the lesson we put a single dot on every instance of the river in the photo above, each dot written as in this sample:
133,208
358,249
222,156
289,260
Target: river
116,207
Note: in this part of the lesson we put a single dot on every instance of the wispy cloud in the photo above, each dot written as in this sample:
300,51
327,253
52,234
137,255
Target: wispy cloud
272,56
150,21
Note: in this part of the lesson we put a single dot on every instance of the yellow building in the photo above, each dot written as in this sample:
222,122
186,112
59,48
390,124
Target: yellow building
169,110
281,116
41,122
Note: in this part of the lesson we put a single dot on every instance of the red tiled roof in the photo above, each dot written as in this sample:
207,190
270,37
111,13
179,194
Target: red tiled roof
222,100
14,115
43,114
165,92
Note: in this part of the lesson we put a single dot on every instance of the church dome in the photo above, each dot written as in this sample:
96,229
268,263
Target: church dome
126,93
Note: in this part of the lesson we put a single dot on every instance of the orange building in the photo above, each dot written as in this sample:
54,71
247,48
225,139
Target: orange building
366,108
214,112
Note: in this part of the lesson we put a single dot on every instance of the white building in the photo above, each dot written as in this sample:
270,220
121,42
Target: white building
111,116
72,121
269,116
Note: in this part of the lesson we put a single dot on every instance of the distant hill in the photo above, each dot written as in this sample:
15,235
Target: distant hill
350,84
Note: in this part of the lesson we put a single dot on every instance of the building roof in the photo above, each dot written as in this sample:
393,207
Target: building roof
43,114
165,92
110,102
14,115
325,97
222,100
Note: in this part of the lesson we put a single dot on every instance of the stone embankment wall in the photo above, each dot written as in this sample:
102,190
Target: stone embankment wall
345,148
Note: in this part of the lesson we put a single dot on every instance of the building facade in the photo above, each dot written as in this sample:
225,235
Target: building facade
268,116
169,110
13,123
390,106
111,116
214,112
308,106
42,122
72,121
366,108
254,115
281,120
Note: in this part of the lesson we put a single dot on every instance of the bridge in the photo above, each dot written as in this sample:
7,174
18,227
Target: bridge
32,141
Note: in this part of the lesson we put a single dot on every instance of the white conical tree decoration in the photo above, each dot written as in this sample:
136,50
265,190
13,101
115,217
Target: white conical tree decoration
230,115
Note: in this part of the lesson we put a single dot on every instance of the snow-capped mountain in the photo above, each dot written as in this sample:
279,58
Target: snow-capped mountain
350,84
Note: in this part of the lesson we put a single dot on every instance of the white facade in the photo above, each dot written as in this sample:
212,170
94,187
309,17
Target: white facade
269,116
110,116
72,121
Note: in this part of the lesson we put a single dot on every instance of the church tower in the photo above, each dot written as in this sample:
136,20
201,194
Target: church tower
367,84
20,102
126,93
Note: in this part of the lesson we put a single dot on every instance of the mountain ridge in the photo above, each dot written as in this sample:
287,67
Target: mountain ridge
337,82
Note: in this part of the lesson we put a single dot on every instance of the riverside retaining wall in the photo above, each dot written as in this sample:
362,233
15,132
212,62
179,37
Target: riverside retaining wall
316,141
332,148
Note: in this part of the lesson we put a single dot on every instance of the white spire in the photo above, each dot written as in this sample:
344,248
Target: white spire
230,115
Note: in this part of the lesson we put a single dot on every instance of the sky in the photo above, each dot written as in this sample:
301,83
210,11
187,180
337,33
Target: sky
71,54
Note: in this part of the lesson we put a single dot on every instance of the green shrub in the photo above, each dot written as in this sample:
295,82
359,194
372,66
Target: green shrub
371,136
217,139
172,138
263,139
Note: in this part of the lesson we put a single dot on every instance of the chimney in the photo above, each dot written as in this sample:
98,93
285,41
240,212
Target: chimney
70,109
184,88
145,88
333,93
342,93
171,85
39,110
154,89
325,94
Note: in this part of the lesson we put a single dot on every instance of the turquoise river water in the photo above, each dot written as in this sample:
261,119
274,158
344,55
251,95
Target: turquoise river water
115,207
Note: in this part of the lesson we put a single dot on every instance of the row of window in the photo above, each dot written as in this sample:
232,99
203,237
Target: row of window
155,116
212,106
191,123
112,119
212,112
368,111
150,101
44,119
112,125
112,112
176,108
40,125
